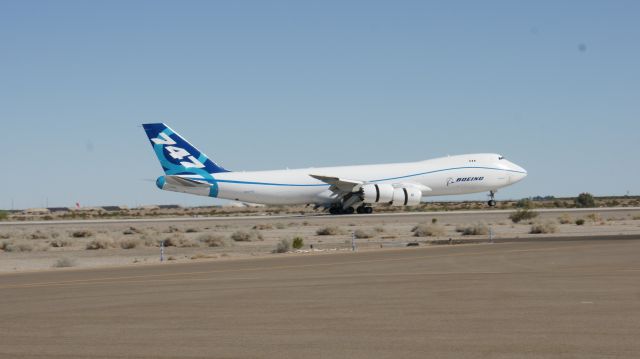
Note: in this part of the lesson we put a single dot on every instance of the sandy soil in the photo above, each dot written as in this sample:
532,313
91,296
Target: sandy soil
52,246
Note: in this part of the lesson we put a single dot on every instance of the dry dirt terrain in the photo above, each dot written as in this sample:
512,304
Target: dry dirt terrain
536,299
54,245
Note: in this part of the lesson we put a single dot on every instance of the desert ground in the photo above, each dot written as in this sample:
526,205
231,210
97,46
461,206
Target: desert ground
531,299
56,245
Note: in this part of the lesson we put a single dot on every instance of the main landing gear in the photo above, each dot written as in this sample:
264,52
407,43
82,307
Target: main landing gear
364,209
492,201
349,210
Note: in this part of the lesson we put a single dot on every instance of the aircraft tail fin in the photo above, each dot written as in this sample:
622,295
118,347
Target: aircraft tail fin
176,155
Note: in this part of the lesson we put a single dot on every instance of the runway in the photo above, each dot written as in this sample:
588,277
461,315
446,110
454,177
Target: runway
575,299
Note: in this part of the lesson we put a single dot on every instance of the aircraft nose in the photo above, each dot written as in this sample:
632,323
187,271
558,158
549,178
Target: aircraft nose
518,173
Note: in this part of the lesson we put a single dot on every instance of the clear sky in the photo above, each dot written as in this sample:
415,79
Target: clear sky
552,85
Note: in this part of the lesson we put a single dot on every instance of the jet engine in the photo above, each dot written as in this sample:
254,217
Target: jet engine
377,193
406,196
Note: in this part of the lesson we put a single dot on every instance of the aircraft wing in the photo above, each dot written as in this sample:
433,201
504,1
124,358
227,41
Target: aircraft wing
340,185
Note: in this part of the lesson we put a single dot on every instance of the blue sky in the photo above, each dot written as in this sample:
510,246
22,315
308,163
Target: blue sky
554,86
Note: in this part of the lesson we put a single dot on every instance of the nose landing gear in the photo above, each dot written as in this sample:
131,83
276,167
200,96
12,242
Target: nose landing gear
492,201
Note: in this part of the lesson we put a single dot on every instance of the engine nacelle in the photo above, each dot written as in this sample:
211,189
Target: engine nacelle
377,193
406,196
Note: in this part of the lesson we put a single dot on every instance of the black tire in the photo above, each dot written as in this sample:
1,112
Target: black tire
368,210
333,210
360,210
491,203
348,210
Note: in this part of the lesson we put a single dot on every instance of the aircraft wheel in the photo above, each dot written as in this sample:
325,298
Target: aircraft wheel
361,210
491,203
334,210
348,210
368,210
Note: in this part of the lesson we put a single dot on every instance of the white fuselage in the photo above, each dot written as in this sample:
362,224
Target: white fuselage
451,175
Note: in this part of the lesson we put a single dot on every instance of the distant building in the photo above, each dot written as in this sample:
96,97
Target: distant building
58,209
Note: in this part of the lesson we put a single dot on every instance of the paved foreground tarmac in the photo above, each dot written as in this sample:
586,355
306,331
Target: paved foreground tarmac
511,300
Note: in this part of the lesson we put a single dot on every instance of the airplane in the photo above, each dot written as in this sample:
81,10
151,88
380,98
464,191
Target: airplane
340,190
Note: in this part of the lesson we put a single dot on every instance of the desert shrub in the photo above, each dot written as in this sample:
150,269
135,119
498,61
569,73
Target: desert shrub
172,229
579,222
244,236
203,256
473,230
5,235
4,244
55,235
635,218
179,240
547,227
434,220
428,230
565,219
280,226
524,203
128,243
522,215
17,247
83,233
361,233
3,215
59,243
283,246
585,200
64,262
38,235
298,242
192,230
263,226
212,240
131,230
328,231
378,229
594,217
100,243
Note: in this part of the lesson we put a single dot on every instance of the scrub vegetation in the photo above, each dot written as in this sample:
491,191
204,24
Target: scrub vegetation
428,230
473,230
522,214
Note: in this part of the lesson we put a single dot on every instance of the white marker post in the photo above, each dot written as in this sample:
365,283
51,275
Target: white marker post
161,251
353,241
490,234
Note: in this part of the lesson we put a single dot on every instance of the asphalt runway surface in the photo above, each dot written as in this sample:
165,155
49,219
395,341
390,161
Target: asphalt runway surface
552,299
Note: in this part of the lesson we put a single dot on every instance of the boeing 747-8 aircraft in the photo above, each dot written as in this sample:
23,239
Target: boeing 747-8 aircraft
342,190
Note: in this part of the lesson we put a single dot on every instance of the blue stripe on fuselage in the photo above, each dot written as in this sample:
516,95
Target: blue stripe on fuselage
378,180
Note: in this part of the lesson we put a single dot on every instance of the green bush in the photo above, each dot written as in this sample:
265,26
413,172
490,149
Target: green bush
297,243
585,199
522,214
3,215
579,222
